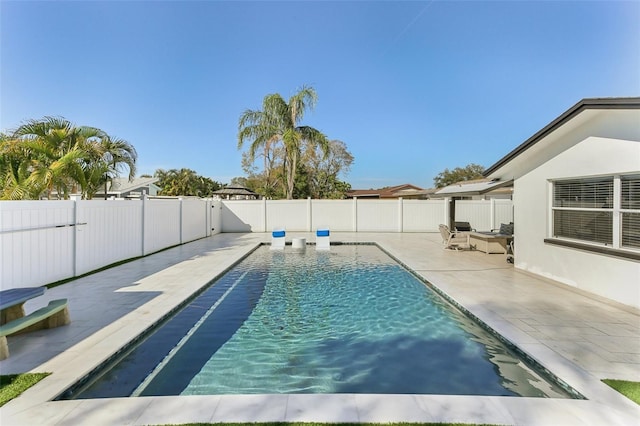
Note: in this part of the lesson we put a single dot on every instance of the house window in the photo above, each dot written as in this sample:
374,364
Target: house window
630,210
603,211
583,210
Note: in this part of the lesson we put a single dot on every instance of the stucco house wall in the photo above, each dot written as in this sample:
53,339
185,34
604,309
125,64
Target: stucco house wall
611,277
592,143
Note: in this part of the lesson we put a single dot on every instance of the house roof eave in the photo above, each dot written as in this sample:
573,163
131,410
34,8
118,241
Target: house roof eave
584,104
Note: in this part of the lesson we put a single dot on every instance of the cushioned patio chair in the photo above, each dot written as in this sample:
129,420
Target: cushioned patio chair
505,229
454,240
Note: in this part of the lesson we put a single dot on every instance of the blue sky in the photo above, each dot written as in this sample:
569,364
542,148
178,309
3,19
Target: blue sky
411,87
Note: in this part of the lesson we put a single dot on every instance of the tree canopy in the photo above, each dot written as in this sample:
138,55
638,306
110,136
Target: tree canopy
176,182
275,133
317,175
448,177
52,156
323,170
297,161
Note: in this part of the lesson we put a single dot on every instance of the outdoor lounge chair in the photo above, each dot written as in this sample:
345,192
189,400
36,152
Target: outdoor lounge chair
511,253
277,239
454,240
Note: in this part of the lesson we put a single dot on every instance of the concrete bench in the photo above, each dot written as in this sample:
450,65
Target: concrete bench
55,314
12,301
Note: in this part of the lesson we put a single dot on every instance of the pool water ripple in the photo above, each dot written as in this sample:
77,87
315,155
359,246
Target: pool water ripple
351,320
362,327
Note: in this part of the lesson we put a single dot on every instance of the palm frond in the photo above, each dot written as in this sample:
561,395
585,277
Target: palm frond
304,99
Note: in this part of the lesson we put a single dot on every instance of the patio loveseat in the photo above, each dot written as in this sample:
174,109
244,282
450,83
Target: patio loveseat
492,241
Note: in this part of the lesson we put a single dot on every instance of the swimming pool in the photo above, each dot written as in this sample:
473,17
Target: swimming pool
347,321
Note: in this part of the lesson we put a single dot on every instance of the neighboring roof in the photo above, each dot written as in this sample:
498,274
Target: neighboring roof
120,185
388,191
472,187
234,190
584,104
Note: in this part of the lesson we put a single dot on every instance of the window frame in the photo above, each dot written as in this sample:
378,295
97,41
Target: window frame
629,210
616,247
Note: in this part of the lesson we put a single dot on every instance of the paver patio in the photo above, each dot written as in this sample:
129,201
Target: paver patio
581,338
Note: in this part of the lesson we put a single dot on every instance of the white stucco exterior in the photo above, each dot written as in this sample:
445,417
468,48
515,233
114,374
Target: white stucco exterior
595,142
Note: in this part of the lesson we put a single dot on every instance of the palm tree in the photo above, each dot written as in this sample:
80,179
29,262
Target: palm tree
278,123
54,150
53,154
176,182
113,154
96,175
15,171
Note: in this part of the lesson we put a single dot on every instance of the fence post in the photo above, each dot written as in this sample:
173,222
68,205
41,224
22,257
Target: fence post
74,240
447,206
400,215
355,214
180,214
264,215
309,215
492,212
207,218
144,222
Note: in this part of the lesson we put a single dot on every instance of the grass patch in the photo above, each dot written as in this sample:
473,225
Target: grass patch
629,389
95,271
103,268
11,386
325,424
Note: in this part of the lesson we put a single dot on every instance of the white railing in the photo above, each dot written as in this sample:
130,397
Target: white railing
46,241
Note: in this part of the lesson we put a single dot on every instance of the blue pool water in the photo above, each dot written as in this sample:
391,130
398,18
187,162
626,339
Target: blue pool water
351,320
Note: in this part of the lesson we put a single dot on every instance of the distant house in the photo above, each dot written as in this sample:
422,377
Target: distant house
236,193
405,191
123,188
576,198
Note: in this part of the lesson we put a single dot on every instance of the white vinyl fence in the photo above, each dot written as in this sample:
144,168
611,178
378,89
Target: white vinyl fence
45,241
356,215
484,215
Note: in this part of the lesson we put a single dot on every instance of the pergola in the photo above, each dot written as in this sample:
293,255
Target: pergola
236,193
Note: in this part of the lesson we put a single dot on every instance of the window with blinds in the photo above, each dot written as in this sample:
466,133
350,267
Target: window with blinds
630,209
584,193
583,210
587,210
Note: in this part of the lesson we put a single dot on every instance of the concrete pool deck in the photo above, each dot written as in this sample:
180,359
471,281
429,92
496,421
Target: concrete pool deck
580,338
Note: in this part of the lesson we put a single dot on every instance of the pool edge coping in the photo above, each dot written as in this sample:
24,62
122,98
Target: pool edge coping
30,398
